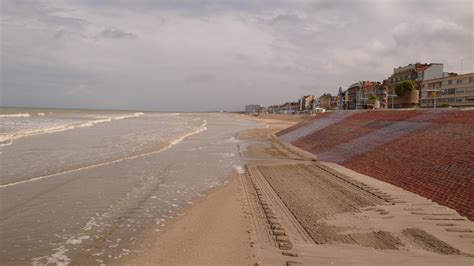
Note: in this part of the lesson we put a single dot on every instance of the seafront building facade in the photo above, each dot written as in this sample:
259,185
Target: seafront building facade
361,95
431,87
306,103
416,73
452,90
254,108
325,101
286,108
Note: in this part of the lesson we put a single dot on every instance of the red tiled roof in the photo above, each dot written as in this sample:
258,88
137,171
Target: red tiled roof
421,67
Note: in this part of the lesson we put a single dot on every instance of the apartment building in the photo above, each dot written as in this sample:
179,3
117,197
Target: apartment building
417,73
254,108
453,90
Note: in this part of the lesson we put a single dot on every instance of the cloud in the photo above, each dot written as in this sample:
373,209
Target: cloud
201,78
114,33
429,31
216,55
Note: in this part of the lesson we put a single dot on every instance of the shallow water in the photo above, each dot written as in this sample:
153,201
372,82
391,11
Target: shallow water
88,192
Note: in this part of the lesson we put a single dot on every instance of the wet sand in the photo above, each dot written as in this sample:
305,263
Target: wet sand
214,231
287,209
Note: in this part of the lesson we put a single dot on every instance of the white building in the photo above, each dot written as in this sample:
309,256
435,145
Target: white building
253,108
453,90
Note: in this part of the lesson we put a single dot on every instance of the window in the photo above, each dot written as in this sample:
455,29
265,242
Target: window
471,79
460,90
450,82
459,81
450,91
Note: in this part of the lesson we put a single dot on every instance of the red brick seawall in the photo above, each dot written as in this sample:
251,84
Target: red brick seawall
429,152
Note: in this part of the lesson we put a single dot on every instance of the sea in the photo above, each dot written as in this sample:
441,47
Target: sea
81,186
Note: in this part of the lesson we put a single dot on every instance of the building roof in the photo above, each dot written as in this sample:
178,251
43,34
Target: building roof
421,67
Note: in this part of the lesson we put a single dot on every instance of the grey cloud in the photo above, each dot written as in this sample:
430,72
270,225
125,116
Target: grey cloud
201,78
433,31
114,33
212,54
285,18
324,5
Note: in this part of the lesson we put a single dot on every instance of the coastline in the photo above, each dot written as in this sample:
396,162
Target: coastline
101,209
253,220
216,228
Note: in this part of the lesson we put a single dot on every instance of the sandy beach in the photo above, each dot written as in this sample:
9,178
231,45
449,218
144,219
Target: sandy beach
324,132
287,209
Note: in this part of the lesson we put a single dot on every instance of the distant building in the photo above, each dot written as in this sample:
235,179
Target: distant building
361,95
353,95
340,99
371,96
417,73
286,108
325,101
452,89
333,103
306,103
315,103
254,108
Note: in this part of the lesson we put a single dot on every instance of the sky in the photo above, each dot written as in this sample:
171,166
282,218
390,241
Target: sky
203,55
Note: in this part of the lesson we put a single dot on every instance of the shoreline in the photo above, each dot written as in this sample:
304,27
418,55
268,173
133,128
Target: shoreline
210,231
174,232
102,209
239,233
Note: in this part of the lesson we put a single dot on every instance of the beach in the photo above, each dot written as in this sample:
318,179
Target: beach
226,192
287,209
81,186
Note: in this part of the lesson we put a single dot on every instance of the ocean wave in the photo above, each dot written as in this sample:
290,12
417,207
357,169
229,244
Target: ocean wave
16,115
129,116
40,114
171,143
7,139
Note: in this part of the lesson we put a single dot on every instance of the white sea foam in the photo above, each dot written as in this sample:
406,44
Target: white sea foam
200,129
128,116
91,223
16,115
77,240
41,114
7,139
58,258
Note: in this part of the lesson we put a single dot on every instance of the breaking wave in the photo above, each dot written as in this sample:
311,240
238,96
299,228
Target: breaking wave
7,139
15,115
171,143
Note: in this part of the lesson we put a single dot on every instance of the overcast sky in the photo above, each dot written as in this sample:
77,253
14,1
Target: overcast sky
201,55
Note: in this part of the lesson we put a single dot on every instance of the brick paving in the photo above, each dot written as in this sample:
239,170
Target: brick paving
429,152
315,125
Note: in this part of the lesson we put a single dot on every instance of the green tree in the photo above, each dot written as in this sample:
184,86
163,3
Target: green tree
404,87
